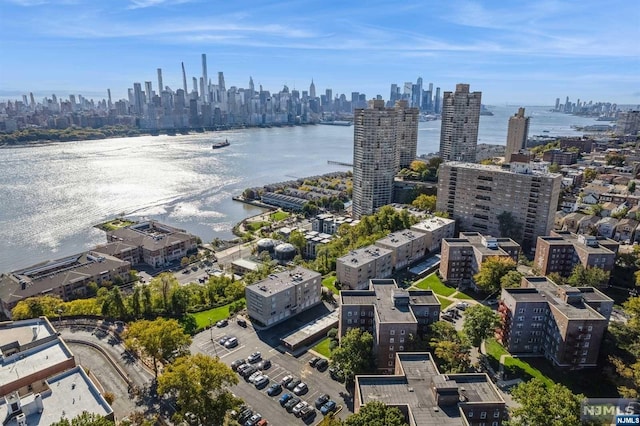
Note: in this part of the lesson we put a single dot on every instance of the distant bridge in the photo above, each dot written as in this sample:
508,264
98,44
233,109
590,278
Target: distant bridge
339,163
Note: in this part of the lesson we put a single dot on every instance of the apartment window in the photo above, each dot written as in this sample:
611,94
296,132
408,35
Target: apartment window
401,348
470,415
586,345
363,313
494,424
349,314
390,356
402,340
391,347
587,337
483,415
496,414
390,363
521,311
391,340
590,328
583,360
349,321
521,318
401,331
392,332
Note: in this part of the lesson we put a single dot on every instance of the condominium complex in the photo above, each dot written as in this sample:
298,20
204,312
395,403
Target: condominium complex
562,323
479,196
384,140
67,278
406,247
40,381
561,251
435,229
460,120
390,314
462,257
283,295
152,243
427,397
517,134
356,268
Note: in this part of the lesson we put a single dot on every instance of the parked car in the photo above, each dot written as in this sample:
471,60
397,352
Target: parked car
231,343
322,364
241,369
292,403
245,415
252,378
253,420
298,408
254,357
222,323
261,382
248,372
300,389
492,302
265,364
314,360
308,413
293,383
241,322
329,407
262,422
274,389
286,379
336,374
285,398
321,400
237,363
462,305
223,339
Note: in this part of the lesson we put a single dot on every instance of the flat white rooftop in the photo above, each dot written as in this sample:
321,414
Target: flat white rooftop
25,331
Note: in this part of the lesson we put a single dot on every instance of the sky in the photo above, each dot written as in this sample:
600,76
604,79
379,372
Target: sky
527,52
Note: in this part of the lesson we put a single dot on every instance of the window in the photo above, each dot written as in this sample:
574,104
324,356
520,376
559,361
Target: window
483,415
470,415
401,331
521,311
391,347
401,348
349,313
363,313
391,340
402,340
496,414
349,321
390,356
392,332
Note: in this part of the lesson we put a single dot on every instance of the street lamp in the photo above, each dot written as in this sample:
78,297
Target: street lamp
215,350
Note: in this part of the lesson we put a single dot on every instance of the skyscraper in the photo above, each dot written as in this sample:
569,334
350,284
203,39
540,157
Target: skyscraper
138,99
205,80
436,102
406,134
517,134
460,119
312,90
385,139
160,86
184,81
148,89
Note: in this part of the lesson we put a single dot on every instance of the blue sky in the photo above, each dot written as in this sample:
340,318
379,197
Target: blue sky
527,52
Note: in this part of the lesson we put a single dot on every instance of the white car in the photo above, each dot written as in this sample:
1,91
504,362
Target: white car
462,306
254,377
300,389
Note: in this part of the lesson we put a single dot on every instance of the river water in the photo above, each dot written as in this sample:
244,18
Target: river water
52,195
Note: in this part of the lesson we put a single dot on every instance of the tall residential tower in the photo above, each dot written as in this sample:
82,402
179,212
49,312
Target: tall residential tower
460,119
517,134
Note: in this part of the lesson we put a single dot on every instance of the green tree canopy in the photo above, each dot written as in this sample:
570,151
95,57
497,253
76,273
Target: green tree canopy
355,354
376,413
590,174
160,339
418,166
491,272
511,279
200,385
480,322
298,241
425,202
540,405
450,349
85,419
591,277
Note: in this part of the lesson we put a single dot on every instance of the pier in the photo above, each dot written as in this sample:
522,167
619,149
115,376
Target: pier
339,163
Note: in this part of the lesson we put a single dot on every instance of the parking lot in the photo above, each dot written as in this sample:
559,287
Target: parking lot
283,364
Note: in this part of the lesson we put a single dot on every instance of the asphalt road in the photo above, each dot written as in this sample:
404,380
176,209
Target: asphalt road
282,364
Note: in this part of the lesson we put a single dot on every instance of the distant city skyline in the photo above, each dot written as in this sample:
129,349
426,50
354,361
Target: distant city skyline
518,52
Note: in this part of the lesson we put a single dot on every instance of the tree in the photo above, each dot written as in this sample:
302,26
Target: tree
136,309
491,272
376,413
595,209
355,353
160,339
553,405
511,279
330,420
590,175
310,209
164,284
451,351
298,241
184,262
180,301
631,187
425,202
554,168
591,277
418,166
615,159
479,323
508,226
200,385
85,419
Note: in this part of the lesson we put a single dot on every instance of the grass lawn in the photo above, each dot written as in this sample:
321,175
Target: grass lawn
216,314
329,282
432,282
114,224
254,226
462,296
444,303
323,347
278,216
515,367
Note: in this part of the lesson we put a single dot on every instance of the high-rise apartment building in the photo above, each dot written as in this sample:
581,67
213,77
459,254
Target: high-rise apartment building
385,139
205,79
517,134
628,123
460,119
519,203
562,323
160,86
138,98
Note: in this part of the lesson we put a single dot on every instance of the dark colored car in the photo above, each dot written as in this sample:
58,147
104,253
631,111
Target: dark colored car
322,364
247,372
314,360
241,322
274,389
328,407
265,364
321,400
293,383
222,323
292,403
237,363
285,398
336,374
308,413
